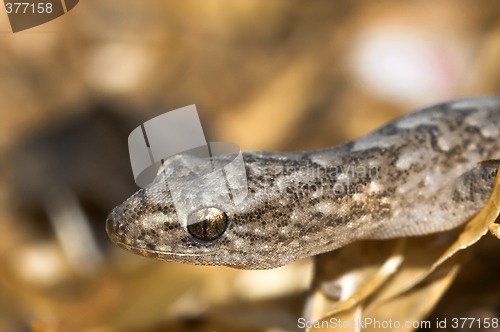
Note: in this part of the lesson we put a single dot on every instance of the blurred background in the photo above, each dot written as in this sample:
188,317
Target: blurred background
266,75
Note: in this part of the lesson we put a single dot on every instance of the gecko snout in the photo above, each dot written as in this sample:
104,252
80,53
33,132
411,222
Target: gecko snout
112,226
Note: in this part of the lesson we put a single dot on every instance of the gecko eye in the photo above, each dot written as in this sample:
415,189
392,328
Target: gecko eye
207,224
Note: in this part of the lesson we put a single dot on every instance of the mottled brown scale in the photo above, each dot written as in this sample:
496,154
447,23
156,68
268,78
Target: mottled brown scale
414,176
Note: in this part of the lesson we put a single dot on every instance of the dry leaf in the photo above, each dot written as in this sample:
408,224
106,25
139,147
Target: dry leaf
343,321
419,255
478,226
351,275
408,311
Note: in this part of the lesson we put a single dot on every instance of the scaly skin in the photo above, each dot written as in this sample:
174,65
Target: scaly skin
414,176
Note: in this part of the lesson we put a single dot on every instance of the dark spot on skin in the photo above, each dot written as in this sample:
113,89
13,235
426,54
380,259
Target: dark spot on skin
389,130
286,242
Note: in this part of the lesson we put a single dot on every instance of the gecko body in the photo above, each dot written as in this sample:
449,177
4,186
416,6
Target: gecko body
414,176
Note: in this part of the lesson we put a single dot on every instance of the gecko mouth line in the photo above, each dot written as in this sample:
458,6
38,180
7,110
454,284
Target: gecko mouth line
155,252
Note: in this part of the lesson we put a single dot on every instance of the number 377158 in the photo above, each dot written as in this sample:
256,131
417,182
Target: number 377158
28,8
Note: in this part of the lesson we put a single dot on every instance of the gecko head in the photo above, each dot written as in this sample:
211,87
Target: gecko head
185,222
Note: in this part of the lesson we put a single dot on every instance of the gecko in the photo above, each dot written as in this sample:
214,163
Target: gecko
417,175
